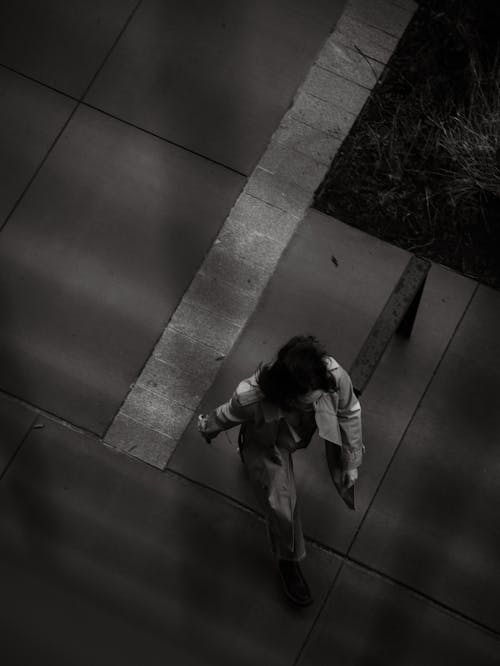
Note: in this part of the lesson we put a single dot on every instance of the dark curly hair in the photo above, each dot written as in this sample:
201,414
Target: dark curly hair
299,368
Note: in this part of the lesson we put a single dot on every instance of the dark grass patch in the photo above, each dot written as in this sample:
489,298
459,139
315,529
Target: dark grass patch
421,165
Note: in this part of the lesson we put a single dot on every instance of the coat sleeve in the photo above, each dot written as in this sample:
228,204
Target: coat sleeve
239,409
349,417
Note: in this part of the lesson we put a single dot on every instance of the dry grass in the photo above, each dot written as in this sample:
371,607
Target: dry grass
421,166
470,140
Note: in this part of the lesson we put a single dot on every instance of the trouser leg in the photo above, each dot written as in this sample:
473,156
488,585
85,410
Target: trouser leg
270,470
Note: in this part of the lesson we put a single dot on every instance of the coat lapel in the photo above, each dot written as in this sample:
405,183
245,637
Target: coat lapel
325,414
326,419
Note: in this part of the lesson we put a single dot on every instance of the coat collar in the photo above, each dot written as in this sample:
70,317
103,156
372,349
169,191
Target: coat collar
324,409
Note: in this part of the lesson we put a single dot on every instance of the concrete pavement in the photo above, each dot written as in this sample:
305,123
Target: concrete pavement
106,559
261,223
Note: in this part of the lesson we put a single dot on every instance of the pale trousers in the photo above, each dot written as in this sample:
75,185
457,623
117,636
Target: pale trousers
270,471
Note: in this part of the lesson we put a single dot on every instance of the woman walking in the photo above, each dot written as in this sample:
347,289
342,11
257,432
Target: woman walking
279,409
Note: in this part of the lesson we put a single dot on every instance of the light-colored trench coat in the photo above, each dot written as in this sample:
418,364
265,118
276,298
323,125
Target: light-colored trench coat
337,415
269,438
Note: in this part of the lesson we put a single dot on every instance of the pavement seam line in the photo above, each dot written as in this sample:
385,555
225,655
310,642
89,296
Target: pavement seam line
282,190
111,49
160,137
38,168
18,448
51,416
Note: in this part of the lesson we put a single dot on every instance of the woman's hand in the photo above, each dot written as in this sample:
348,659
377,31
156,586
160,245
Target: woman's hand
349,477
203,427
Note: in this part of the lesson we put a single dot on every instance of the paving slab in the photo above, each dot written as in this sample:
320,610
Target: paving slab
107,561
433,524
140,441
31,116
310,294
349,63
225,265
386,16
62,45
223,91
365,39
369,621
334,89
326,116
95,260
305,140
15,423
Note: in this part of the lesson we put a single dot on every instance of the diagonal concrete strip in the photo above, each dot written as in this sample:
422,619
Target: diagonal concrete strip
229,283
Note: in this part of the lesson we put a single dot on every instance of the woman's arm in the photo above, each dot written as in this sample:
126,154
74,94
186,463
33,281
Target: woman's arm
234,412
349,416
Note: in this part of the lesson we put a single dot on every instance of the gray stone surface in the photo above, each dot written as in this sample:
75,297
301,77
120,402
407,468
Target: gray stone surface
226,300
332,88
205,326
372,42
384,15
151,409
299,169
251,245
368,621
139,441
178,349
278,192
325,116
184,384
251,215
307,140
349,63
222,264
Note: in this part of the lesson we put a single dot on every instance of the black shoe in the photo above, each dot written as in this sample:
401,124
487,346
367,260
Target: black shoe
294,583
